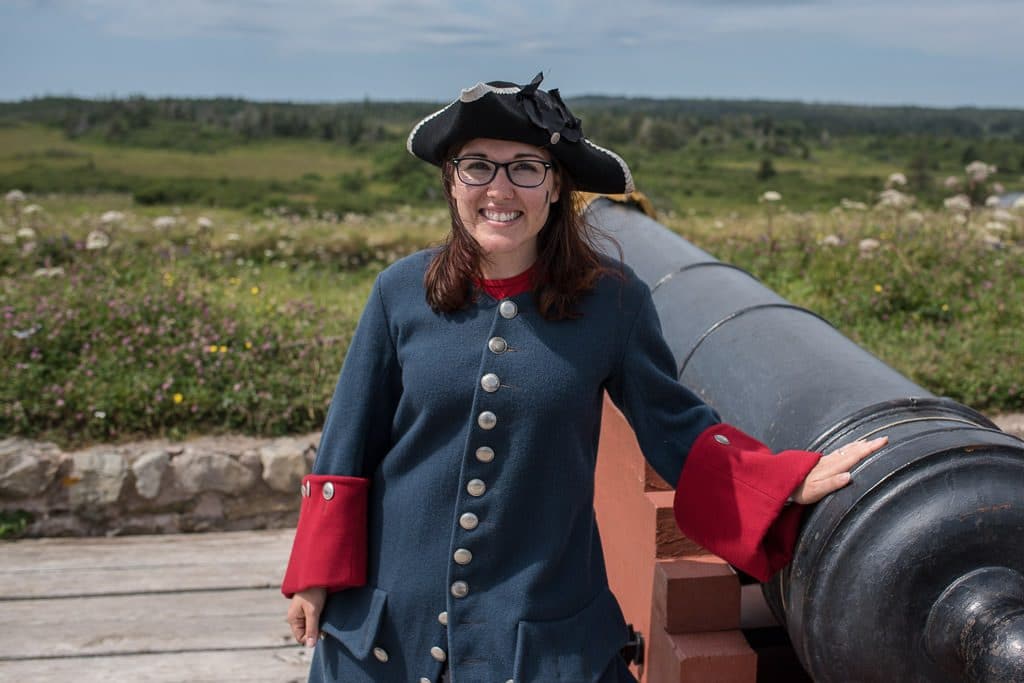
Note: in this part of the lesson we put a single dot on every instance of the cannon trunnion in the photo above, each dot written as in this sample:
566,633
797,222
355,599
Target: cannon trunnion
913,572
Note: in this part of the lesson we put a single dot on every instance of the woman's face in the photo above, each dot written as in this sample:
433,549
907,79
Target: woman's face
502,217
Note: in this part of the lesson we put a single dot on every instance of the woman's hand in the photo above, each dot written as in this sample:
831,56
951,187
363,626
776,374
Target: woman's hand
833,470
304,615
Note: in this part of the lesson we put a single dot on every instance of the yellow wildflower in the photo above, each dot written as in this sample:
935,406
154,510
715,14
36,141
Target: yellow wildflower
878,289
254,290
223,349
178,398
248,345
945,307
213,348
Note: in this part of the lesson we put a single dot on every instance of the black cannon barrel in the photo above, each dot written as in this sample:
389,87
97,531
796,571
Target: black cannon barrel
913,572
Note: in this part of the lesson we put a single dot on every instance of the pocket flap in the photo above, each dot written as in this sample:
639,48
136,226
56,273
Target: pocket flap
353,617
576,649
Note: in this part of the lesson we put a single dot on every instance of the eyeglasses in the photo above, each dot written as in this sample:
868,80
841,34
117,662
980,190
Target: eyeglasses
521,172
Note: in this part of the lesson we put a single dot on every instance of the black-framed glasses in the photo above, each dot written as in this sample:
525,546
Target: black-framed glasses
521,172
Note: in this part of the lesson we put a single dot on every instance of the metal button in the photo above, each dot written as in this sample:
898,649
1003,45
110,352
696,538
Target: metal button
460,589
381,654
305,489
463,556
468,521
442,618
497,345
476,487
487,420
328,491
490,382
508,309
485,454
438,654
722,439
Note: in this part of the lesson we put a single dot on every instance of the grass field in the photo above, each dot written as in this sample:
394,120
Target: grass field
221,294
228,320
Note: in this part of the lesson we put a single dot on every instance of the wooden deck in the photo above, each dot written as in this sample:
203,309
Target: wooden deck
187,607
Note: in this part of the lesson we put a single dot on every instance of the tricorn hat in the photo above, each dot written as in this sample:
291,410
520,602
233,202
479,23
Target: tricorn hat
522,113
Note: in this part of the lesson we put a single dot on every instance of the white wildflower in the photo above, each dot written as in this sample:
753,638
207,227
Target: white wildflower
992,201
979,171
204,223
48,272
960,219
26,234
233,237
991,240
960,202
31,210
1003,215
896,179
868,245
97,240
830,241
111,217
164,222
951,182
1018,204
8,238
894,199
998,188
851,205
14,196
100,414
770,196
996,225
914,218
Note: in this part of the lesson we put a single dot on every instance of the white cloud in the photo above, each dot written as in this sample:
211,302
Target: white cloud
987,28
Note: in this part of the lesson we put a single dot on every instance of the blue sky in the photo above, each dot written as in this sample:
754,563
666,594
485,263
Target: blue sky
926,52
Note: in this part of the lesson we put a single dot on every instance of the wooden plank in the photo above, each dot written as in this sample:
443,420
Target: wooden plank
144,623
279,665
105,566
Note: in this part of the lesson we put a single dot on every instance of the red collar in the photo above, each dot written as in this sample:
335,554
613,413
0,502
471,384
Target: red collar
509,286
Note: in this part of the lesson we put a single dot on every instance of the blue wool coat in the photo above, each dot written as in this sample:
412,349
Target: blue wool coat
478,432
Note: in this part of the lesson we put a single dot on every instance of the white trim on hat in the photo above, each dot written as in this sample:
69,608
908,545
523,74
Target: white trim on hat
627,175
408,141
480,89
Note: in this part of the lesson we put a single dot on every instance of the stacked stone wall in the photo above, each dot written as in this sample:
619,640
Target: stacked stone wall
211,483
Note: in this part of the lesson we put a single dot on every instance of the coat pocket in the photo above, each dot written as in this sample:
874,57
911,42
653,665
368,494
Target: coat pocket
576,649
352,617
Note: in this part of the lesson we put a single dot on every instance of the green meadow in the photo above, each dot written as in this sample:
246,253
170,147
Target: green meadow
174,277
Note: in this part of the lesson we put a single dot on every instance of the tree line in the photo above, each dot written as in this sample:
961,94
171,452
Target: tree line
781,128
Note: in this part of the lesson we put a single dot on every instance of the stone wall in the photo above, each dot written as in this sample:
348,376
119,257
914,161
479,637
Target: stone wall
211,483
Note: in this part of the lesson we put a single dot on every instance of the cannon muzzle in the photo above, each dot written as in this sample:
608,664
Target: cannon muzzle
914,571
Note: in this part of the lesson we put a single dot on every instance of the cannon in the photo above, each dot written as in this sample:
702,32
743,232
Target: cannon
913,572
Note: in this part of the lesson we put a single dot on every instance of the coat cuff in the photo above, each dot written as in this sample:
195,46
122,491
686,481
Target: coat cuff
329,549
731,498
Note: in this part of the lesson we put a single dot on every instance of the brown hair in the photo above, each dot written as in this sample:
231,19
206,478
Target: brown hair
568,262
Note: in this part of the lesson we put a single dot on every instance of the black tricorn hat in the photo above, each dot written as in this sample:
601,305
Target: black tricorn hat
522,113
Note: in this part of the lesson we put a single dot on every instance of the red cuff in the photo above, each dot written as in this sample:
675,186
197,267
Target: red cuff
330,542
731,499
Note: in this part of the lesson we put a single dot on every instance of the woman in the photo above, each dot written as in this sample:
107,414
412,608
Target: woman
448,528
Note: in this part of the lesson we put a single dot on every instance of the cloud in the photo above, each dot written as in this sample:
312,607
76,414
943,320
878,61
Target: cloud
987,28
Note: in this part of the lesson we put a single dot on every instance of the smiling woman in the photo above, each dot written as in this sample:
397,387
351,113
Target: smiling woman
448,531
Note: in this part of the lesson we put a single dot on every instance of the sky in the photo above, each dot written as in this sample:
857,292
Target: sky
941,53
